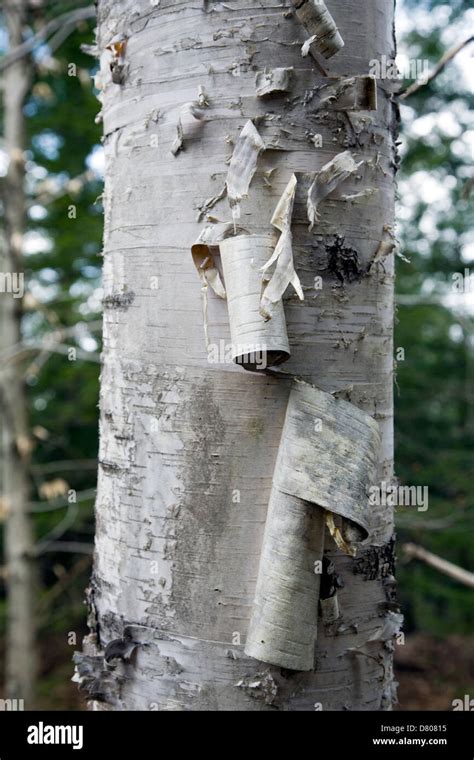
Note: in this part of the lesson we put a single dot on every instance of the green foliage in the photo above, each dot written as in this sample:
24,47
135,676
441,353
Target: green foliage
434,404
62,275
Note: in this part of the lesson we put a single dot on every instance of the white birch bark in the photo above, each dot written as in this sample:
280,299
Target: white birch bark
188,447
15,447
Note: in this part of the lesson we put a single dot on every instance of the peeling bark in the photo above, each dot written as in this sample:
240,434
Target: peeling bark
189,452
348,94
243,165
326,180
273,82
320,25
256,344
284,273
326,461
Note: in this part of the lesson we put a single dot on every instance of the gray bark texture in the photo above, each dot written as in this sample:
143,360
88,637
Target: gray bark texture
15,440
188,446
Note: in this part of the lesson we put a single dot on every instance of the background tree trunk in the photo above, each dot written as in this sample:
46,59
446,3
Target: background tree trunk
15,441
188,447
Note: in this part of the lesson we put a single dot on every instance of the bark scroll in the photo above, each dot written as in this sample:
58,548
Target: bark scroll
256,344
326,461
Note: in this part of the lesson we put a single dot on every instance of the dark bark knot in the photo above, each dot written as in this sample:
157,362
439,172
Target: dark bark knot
343,261
119,300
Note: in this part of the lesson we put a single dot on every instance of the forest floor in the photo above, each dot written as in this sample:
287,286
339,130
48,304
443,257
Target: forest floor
431,672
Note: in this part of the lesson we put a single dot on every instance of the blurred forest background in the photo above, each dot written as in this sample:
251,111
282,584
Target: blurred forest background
435,370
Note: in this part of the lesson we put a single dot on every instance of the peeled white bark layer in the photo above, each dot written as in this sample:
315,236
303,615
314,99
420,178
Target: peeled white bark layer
320,25
281,260
349,94
326,461
273,81
256,344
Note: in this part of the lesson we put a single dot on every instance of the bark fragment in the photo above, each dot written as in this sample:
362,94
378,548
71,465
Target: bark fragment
320,25
386,246
206,248
117,64
190,112
203,252
284,273
273,81
326,461
358,93
210,203
361,196
326,180
243,165
96,680
261,686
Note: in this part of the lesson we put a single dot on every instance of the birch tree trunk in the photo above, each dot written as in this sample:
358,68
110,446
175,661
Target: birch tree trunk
188,446
15,441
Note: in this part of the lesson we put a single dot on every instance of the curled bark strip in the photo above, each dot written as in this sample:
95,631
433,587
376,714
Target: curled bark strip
338,537
326,180
243,165
320,25
283,626
361,196
117,65
389,628
273,81
203,252
357,93
387,244
256,344
209,203
284,273
193,110
326,461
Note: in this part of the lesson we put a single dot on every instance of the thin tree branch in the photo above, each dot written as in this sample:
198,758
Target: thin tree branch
63,582
41,506
445,59
59,530
71,187
69,19
55,335
413,551
412,524
72,547
65,464
60,348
